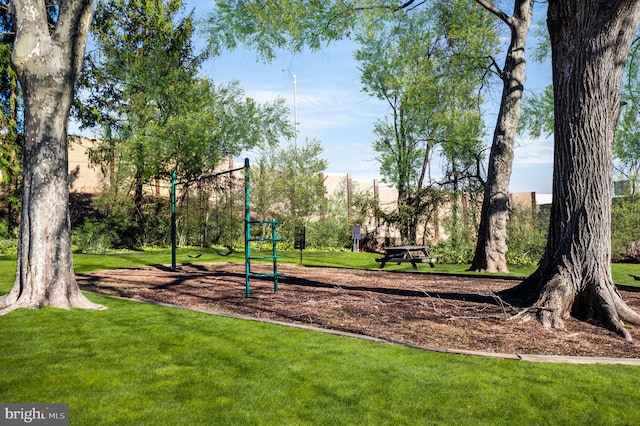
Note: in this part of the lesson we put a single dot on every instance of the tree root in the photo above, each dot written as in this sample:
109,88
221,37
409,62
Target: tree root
596,301
76,300
625,312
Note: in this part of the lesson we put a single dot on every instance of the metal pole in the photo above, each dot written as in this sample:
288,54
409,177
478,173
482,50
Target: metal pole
247,227
295,112
295,109
275,255
173,220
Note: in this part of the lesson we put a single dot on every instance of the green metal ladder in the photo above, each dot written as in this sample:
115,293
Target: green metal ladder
273,239
248,239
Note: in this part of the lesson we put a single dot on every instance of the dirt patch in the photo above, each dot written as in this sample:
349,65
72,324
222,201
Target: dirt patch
423,309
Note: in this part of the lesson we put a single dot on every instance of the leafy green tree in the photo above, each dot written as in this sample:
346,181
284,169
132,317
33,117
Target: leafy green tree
537,114
11,123
10,132
142,90
627,142
627,150
287,183
142,83
625,229
134,82
427,66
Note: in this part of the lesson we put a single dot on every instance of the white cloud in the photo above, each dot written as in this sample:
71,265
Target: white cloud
533,151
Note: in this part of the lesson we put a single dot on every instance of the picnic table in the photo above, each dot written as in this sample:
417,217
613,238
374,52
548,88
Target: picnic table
413,254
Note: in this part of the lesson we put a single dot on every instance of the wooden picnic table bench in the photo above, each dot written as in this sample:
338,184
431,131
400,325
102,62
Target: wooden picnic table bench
401,254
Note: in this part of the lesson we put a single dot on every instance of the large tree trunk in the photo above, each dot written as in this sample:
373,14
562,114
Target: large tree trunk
491,245
47,65
590,40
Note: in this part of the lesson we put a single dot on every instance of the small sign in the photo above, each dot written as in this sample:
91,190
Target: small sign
355,237
355,232
300,238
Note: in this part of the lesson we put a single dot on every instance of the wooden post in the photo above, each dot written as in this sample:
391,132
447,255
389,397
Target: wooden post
376,198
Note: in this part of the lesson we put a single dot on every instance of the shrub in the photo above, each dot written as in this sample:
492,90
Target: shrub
527,231
8,238
453,252
94,237
329,233
459,247
625,228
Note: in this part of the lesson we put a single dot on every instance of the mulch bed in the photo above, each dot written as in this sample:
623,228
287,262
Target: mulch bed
439,311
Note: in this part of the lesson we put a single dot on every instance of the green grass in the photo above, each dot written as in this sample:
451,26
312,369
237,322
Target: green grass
138,364
621,273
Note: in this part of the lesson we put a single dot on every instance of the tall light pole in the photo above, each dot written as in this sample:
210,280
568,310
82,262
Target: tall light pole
295,109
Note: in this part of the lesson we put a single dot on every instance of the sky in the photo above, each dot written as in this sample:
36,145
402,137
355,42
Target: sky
332,108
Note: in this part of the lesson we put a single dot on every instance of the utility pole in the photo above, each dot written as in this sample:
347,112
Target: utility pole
295,108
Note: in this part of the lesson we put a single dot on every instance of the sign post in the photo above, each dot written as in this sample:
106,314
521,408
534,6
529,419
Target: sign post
300,240
355,236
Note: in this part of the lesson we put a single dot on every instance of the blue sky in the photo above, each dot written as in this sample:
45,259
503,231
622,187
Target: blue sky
330,104
333,109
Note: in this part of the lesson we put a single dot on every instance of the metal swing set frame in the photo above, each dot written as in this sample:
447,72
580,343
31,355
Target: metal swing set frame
248,238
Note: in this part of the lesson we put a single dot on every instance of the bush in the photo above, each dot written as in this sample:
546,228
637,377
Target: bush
527,237
320,234
453,252
8,238
625,228
94,237
149,225
460,246
328,233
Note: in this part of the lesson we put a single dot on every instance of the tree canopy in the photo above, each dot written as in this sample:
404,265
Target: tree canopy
287,183
142,87
10,120
428,66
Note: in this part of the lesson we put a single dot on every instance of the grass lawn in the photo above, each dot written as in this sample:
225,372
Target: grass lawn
138,364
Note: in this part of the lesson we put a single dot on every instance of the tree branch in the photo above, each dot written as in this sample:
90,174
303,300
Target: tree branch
409,3
7,6
71,14
73,25
28,12
495,65
496,11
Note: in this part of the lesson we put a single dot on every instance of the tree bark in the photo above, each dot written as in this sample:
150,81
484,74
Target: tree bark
491,244
590,40
47,65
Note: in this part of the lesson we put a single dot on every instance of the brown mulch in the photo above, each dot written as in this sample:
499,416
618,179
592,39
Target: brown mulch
448,312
